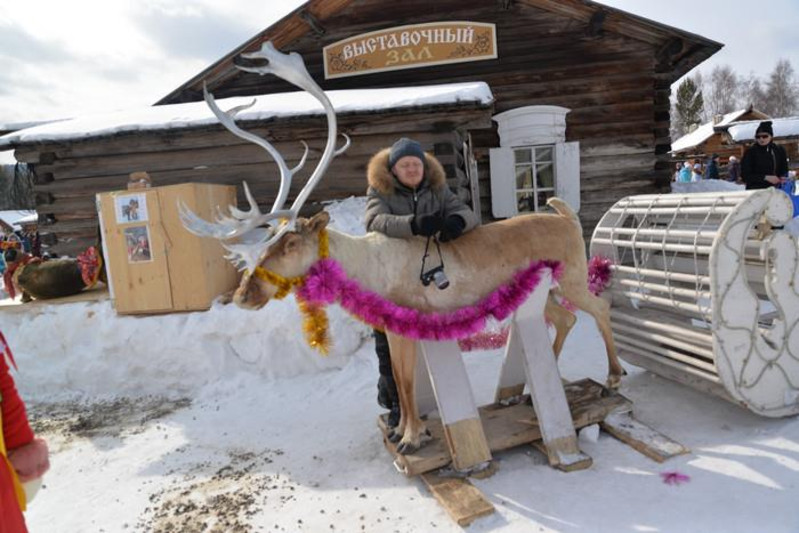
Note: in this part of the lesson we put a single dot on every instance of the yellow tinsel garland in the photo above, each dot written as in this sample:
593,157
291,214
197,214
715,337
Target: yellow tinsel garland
315,323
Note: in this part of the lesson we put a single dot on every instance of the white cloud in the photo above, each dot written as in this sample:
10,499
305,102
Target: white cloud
62,59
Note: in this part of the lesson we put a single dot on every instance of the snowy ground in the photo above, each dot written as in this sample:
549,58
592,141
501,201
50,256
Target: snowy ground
226,421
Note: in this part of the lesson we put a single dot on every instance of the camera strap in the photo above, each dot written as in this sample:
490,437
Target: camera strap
427,254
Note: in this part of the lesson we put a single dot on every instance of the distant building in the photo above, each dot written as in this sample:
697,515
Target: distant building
786,133
710,138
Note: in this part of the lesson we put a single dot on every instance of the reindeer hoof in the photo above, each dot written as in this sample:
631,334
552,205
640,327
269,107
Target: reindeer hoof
394,436
614,382
406,448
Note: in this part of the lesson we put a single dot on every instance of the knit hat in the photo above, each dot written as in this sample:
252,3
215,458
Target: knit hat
402,148
765,127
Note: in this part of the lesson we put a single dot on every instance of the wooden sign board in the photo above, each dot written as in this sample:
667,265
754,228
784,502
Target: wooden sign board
412,46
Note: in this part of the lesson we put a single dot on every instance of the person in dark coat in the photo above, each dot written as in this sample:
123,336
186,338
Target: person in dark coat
408,196
733,169
764,163
712,168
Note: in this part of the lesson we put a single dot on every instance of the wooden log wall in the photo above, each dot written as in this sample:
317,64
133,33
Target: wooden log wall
69,175
614,85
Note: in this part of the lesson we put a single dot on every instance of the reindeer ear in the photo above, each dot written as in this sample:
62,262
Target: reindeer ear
291,243
318,221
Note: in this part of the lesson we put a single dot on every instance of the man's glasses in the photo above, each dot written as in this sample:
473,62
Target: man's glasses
762,136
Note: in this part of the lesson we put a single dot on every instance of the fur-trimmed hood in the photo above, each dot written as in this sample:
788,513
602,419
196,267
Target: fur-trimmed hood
383,181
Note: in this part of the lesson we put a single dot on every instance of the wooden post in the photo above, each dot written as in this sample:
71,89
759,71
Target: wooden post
543,379
425,396
511,376
463,429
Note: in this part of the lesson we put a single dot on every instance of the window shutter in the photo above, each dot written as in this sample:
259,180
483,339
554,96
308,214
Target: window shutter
503,183
567,173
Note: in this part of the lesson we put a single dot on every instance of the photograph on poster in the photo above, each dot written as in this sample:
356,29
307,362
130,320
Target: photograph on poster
137,243
131,208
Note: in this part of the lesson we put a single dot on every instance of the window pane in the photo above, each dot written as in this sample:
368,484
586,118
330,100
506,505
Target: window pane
524,178
525,202
545,175
522,155
542,198
543,153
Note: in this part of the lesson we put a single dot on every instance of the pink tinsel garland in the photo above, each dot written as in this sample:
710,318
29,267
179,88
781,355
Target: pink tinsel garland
327,282
599,274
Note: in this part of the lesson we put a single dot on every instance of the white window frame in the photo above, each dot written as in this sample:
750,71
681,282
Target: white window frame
533,165
531,128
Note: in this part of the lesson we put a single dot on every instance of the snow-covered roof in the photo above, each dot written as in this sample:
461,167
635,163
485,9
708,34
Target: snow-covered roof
783,127
271,106
17,218
15,126
705,131
7,157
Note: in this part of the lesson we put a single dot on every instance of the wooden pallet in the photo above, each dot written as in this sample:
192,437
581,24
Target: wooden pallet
510,426
97,293
515,425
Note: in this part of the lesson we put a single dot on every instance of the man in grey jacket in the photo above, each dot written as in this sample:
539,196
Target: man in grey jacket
408,196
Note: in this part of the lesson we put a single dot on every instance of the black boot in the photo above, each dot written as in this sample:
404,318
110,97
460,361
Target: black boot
387,396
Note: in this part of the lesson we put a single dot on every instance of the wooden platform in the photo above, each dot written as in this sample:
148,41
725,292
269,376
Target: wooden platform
511,426
98,293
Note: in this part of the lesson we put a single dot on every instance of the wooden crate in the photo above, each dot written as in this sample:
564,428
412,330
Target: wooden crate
154,264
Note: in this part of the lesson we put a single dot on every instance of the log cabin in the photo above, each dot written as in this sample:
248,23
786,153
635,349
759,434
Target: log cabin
579,107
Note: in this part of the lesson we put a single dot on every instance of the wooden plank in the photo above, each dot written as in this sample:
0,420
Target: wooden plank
463,430
97,293
462,501
546,389
641,437
507,427
140,284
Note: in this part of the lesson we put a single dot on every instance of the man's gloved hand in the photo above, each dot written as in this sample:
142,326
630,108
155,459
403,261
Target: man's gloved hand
426,225
453,228
31,460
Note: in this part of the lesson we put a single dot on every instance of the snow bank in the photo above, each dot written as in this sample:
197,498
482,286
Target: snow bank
87,350
705,186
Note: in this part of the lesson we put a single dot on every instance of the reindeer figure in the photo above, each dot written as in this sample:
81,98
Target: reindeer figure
477,263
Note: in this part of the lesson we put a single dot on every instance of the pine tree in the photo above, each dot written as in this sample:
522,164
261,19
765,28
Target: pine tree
688,108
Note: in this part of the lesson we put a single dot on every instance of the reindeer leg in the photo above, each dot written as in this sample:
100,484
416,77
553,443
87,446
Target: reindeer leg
403,361
562,319
600,310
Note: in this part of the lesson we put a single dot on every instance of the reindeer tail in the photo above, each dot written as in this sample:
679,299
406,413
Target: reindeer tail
563,209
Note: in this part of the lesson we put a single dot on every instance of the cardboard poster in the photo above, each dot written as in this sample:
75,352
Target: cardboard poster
137,244
130,208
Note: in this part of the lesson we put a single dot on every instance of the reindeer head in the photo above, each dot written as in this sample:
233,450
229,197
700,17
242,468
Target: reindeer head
276,239
289,259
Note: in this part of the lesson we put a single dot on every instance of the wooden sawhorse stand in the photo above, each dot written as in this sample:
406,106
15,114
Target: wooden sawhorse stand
466,436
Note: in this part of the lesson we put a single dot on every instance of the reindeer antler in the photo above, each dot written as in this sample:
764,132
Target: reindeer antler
254,240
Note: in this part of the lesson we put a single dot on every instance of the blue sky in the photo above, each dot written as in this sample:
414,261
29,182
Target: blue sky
62,59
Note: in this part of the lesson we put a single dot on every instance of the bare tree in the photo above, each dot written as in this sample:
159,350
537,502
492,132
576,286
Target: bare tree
721,91
782,90
751,92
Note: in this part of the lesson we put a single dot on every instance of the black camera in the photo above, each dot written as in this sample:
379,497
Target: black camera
436,276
